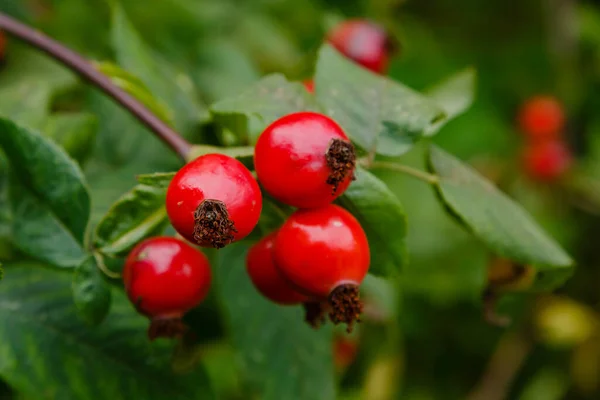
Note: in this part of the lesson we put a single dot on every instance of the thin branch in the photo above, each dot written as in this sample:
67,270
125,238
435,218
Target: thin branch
86,70
416,173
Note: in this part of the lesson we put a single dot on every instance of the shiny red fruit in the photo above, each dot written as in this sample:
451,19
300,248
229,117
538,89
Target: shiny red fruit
304,159
547,161
542,118
364,42
309,84
2,45
324,253
265,277
164,278
213,201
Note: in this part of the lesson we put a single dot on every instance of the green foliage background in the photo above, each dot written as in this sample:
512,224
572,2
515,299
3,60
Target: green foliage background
69,333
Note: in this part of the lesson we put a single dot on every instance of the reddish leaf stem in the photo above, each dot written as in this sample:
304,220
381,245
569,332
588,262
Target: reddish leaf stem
86,70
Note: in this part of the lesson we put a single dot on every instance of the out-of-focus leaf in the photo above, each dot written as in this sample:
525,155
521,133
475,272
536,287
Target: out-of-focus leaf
242,153
45,345
497,220
222,69
48,196
135,87
382,217
165,81
454,95
376,112
91,292
75,132
280,355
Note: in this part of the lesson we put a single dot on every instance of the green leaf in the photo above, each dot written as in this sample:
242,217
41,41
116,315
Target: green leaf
242,153
48,195
49,353
377,113
26,103
267,100
137,215
495,219
280,355
222,68
454,95
382,217
166,82
91,292
75,132
135,87
159,180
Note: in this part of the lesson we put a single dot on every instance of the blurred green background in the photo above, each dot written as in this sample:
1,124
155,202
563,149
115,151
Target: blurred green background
424,336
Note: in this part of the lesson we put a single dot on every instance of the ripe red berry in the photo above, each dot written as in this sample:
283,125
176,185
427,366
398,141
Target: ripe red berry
542,118
546,161
363,42
304,159
213,201
164,278
324,253
265,277
309,84
2,45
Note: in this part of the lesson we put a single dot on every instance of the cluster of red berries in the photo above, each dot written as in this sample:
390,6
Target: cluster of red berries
546,156
318,257
363,42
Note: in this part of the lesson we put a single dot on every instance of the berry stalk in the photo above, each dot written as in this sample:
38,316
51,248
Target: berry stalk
86,70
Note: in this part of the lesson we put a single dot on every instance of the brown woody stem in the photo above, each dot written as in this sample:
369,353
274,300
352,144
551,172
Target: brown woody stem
85,69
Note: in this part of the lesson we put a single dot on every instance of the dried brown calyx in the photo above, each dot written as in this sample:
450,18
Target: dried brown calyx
346,305
341,160
166,328
314,313
212,225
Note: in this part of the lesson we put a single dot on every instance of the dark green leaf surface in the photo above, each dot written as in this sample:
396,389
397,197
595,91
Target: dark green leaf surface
382,217
91,292
267,100
497,220
49,200
281,356
49,353
75,132
454,95
167,83
376,112
137,215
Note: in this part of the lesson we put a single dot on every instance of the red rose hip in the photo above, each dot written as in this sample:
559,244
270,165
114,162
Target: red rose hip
364,42
305,160
265,277
542,118
546,161
164,278
213,201
260,266
324,253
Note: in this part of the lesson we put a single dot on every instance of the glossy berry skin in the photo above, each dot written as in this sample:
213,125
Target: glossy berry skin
2,45
363,42
291,163
542,118
546,161
214,177
318,250
309,84
165,277
265,277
